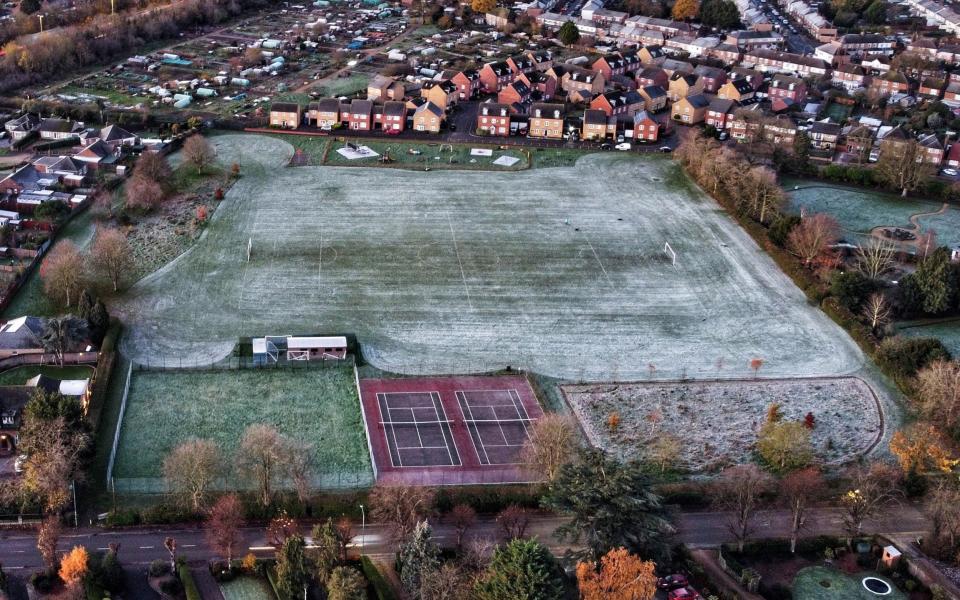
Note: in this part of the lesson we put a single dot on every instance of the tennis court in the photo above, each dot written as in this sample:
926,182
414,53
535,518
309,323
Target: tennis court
449,430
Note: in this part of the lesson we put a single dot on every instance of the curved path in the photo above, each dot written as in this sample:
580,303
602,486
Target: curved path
915,227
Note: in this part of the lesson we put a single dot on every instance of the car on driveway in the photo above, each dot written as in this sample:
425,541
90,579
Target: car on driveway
684,593
672,582
666,149
950,172
623,146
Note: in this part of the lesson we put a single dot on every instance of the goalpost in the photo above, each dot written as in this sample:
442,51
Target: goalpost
249,248
668,250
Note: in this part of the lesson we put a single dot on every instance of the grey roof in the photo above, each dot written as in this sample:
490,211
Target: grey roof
825,128
325,105
114,133
430,107
22,333
394,108
494,109
59,125
287,107
721,105
698,101
546,110
594,116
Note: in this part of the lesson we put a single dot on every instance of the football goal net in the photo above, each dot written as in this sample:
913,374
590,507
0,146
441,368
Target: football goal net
668,250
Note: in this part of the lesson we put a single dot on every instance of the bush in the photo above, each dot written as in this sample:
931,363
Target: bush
903,357
381,588
487,499
123,518
44,581
852,288
189,585
165,514
171,586
159,568
781,228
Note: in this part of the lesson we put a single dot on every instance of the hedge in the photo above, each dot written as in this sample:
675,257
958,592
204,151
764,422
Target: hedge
104,371
376,579
53,144
189,585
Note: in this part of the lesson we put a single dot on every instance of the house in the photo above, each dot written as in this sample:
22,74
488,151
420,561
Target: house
645,127
324,113
59,129
671,66
542,85
785,87
711,78
652,76
867,44
682,85
585,82
728,54
831,52
738,90
379,87
618,103
394,117
951,95
542,60
654,98
442,93
651,54
521,64
468,83
932,88
849,76
61,168
428,117
753,77
786,62
515,94
746,125
546,121
495,76
96,154
13,401
114,135
824,136
719,113
780,132
285,115
932,149
22,126
953,156
595,125
493,118
891,82
691,109
20,336
617,64
358,115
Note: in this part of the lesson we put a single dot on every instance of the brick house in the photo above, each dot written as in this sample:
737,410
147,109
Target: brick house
324,113
583,81
932,149
542,85
719,113
618,103
787,62
495,76
493,118
753,77
394,116
546,121
617,64
932,88
442,93
951,95
516,94
780,132
785,87
428,117
594,124
738,90
285,115
824,136
654,98
358,115
521,64
468,83
890,83
691,109
711,77
651,54
849,76
652,76
645,127
683,85
59,129
542,59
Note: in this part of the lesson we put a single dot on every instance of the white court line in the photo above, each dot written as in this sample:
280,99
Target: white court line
459,395
439,401
456,249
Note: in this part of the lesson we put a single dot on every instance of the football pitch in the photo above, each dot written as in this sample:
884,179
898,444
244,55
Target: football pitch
558,270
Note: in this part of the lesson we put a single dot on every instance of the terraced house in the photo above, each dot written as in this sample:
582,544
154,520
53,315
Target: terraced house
546,121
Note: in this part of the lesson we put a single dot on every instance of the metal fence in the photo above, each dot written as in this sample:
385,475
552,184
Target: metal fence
328,482
238,363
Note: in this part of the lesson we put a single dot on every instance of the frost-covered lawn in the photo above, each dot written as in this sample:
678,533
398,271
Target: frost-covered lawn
559,270
246,588
717,423
316,405
947,332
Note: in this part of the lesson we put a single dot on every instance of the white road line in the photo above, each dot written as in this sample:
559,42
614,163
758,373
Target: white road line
146,547
456,249
189,545
12,568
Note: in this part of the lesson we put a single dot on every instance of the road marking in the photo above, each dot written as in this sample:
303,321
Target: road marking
103,548
146,547
13,568
261,548
189,545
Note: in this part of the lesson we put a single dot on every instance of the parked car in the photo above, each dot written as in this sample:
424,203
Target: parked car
623,146
671,582
950,172
605,146
684,593
621,139
666,149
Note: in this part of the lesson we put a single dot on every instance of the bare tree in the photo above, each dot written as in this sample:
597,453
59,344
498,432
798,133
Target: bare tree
400,507
300,468
190,470
798,489
938,389
223,526
198,152
53,448
664,451
62,272
811,238
142,194
738,490
60,333
761,192
872,491
552,443
171,545
47,538
153,166
263,457
111,255
448,581
513,522
877,310
876,258
280,529
943,508
462,518
902,165
926,243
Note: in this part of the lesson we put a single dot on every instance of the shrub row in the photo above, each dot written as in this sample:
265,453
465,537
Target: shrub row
488,499
189,585
380,585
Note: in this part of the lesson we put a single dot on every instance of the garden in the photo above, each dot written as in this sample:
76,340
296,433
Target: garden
20,375
718,422
318,406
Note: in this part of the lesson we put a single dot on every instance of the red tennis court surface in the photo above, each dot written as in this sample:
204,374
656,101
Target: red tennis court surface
449,430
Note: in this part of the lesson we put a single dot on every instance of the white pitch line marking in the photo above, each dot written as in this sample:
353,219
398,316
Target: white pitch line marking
599,262
456,249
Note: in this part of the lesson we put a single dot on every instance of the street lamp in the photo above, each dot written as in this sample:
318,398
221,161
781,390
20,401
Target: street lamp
363,528
41,22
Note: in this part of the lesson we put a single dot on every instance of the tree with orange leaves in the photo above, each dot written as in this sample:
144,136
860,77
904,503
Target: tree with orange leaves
620,576
921,448
74,567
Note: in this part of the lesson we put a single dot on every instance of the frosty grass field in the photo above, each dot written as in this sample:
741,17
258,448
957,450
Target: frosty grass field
316,405
559,270
717,422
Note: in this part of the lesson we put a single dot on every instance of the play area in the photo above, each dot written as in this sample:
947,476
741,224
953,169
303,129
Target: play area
824,583
449,430
476,271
